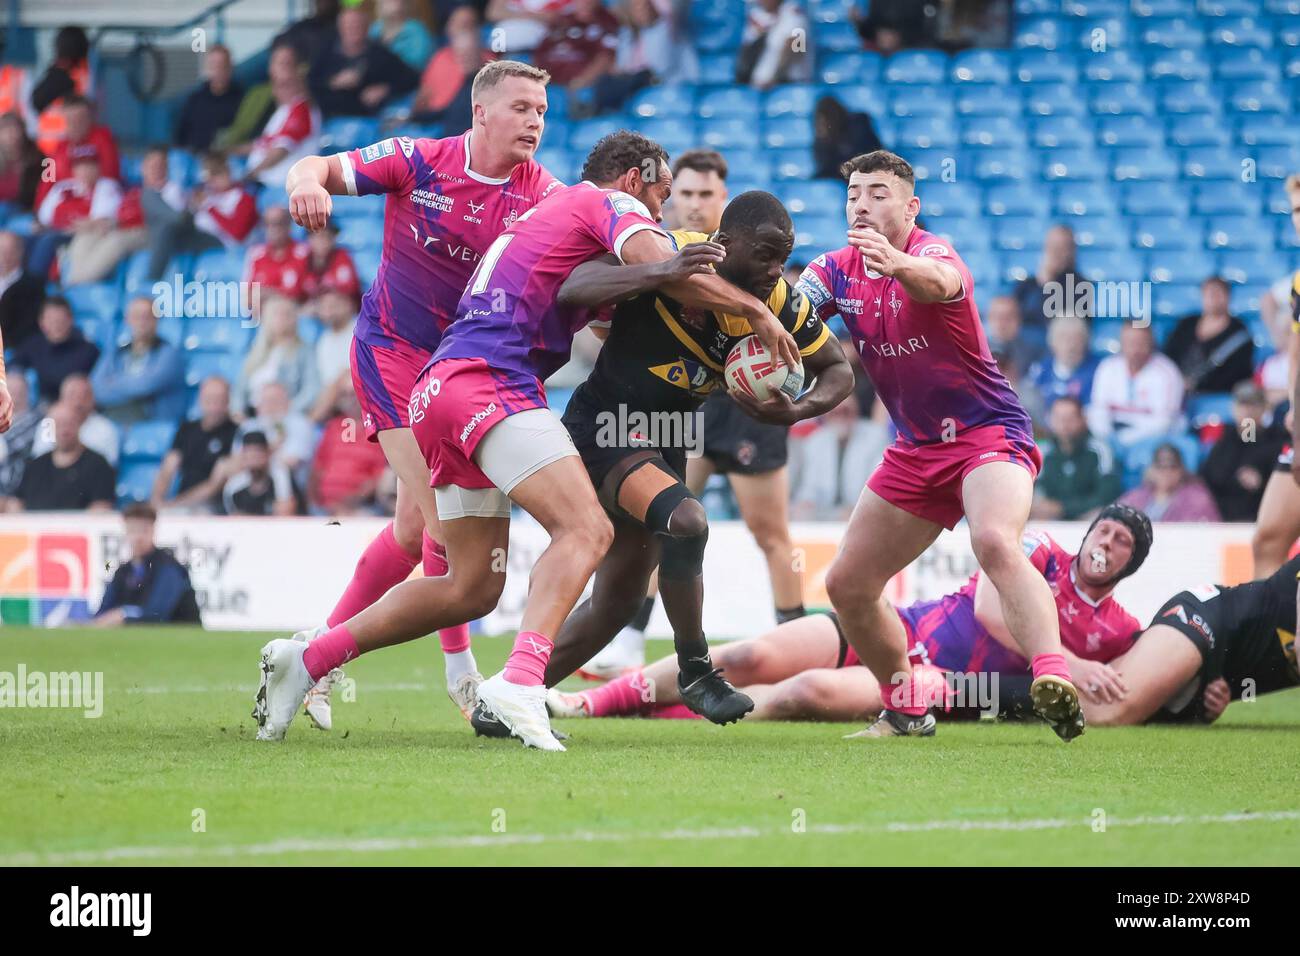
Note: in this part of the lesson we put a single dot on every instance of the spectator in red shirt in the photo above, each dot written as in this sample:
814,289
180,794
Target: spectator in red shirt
580,52
329,267
278,265
346,469
87,203
292,130
83,131
219,215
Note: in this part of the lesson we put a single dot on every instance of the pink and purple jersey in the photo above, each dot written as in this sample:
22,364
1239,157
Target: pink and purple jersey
929,361
439,219
954,640
509,314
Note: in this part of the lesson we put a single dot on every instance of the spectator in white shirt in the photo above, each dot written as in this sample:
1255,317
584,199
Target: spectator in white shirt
292,438
88,202
768,52
1136,394
220,215
338,313
292,131
97,432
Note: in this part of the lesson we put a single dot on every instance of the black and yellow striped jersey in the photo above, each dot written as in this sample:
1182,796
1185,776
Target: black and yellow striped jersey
661,356
1295,301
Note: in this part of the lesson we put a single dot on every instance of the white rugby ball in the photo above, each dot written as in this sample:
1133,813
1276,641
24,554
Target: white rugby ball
749,370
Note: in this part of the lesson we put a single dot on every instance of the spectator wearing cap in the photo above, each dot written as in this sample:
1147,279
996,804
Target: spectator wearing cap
212,105
58,350
71,477
1214,350
357,76
85,205
259,486
151,586
1239,463
1079,473
145,378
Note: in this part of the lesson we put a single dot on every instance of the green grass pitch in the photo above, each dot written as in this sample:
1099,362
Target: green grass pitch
171,775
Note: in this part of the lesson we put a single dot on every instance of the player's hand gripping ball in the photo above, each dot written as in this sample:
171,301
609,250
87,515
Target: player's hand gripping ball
750,371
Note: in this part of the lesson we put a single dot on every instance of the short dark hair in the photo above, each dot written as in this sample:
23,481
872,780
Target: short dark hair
618,152
76,99
878,160
255,438
1069,400
139,511
752,209
71,44
702,161
59,302
1217,280
157,148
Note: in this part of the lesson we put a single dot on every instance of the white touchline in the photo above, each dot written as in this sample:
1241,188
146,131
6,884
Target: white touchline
391,845
251,687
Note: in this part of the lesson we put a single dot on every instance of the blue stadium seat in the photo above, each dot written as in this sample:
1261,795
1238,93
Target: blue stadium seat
1184,64
1188,267
1274,162
993,131
135,481
1005,165
925,132
674,133
1283,7
1188,98
1020,233
1042,33
1129,131
1287,239
724,36
1061,132
1208,409
1253,97
227,334
872,100
1250,267
182,167
1250,63
1164,8
788,133
966,235
97,299
1165,234
787,164
560,162
728,101
1262,129
348,132
990,67
219,265
814,235
1244,32
1101,232
1115,31
1045,66
1016,199
1120,99
840,36
1174,33
1227,199
1216,163
821,197
367,262
746,164
1083,199
148,440
1142,165
909,101
731,132
717,67
1153,199
1197,129
933,164
913,67
1238,232
360,209
1107,265
200,365
796,99
949,199
1173,300
584,134
859,67
1074,165
1137,457
1095,8
672,100
1029,8
99,329
1117,66
1229,8
1050,99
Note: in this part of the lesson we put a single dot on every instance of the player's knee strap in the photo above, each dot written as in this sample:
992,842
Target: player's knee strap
681,556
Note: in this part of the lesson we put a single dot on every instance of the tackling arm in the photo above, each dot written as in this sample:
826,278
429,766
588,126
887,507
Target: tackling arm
310,184
604,282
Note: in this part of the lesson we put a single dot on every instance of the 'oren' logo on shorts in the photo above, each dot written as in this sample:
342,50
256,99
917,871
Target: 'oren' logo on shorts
478,417
420,400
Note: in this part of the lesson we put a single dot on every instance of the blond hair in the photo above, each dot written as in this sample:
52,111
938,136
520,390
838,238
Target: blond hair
493,73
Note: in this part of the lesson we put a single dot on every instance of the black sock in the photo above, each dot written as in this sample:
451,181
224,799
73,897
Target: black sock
692,668
1014,702
789,613
642,618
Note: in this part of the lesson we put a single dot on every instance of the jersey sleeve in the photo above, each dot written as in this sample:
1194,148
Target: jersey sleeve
384,167
935,248
797,314
624,217
1295,302
816,284
1038,548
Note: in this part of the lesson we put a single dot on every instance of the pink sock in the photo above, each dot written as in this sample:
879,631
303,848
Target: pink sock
621,697
674,712
383,564
454,639
332,649
1053,664
906,696
527,662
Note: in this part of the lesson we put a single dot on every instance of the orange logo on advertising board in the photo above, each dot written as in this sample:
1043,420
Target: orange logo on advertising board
17,565
45,565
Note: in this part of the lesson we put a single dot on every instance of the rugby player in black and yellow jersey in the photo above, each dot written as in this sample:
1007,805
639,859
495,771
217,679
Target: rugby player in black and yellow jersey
1278,523
635,419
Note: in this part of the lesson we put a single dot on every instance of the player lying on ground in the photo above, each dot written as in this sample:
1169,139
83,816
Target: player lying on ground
448,199
635,419
479,415
965,445
805,669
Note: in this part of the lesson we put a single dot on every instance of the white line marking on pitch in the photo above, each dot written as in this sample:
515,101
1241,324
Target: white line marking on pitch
250,688
389,845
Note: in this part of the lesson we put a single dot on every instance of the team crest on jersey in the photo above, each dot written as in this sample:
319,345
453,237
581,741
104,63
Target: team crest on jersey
378,151
813,289
624,204
407,145
688,375
933,249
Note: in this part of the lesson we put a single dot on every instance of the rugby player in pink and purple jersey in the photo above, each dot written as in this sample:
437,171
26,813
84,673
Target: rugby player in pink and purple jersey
965,444
478,413
448,199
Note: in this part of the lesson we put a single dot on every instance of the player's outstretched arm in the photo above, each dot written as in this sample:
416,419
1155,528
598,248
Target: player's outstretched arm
834,382
603,281
922,278
310,184
710,291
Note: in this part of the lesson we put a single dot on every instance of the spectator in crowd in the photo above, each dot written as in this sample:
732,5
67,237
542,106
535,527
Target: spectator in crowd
653,40
338,313
16,443
277,265
1079,472
1070,366
290,435
212,105
69,478
444,92
291,132
221,214
85,135
1273,374
699,190
68,76
96,432
1029,395
1214,350
346,469
1004,334
260,486
20,166
768,53
200,444
1240,462
1042,296
892,25
58,351
312,36
21,293
328,267
1169,492
579,51
357,76
145,378
1136,394
151,587
85,205
838,135
401,33
279,355
520,25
